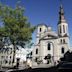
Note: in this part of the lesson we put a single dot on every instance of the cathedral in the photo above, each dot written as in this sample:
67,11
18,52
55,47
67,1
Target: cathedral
50,46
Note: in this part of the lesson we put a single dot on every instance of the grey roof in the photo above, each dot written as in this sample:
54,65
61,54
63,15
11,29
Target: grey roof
53,35
42,24
64,35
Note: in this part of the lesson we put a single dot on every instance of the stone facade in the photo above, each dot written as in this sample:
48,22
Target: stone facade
51,43
6,56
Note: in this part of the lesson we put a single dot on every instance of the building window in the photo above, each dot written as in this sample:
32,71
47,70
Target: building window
10,57
31,53
2,57
40,29
36,59
6,61
49,46
9,62
62,50
63,40
63,28
36,51
60,30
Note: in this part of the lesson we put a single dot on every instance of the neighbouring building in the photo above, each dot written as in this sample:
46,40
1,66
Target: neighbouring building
50,44
6,56
22,54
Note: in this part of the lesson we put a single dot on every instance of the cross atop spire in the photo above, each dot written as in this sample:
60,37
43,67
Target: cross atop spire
61,10
60,1
61,14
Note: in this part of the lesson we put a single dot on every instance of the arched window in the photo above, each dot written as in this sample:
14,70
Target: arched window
62,50
49,46
40,29
60,30
36,51
10,62
63,40
6,61
36,59
63,28
31,53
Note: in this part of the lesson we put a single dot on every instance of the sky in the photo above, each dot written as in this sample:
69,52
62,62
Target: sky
45,11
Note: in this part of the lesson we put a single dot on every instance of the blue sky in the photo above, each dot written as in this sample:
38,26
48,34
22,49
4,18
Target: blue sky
45,11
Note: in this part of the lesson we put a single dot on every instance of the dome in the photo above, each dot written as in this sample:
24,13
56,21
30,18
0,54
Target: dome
49,28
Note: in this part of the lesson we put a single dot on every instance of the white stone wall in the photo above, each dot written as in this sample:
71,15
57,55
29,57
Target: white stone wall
6,57
66,29
55,41
34,55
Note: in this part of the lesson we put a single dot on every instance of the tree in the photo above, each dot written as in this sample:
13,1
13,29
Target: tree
15,26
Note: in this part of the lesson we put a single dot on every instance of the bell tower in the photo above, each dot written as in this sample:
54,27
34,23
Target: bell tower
41,29
62,24
63,33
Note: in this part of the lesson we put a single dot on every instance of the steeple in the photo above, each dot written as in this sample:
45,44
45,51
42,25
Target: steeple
61,15
62,24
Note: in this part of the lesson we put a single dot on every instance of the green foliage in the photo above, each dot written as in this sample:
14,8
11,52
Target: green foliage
15,24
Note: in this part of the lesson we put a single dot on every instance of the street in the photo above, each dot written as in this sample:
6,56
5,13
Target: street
52,69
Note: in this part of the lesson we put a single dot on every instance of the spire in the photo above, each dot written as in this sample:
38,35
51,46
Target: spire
61,15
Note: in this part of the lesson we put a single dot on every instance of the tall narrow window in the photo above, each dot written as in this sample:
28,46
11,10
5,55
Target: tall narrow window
31,53
49,46
62,51
40,29
63,28
60,30
6,61
36,59
63,40
36,51
9,62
